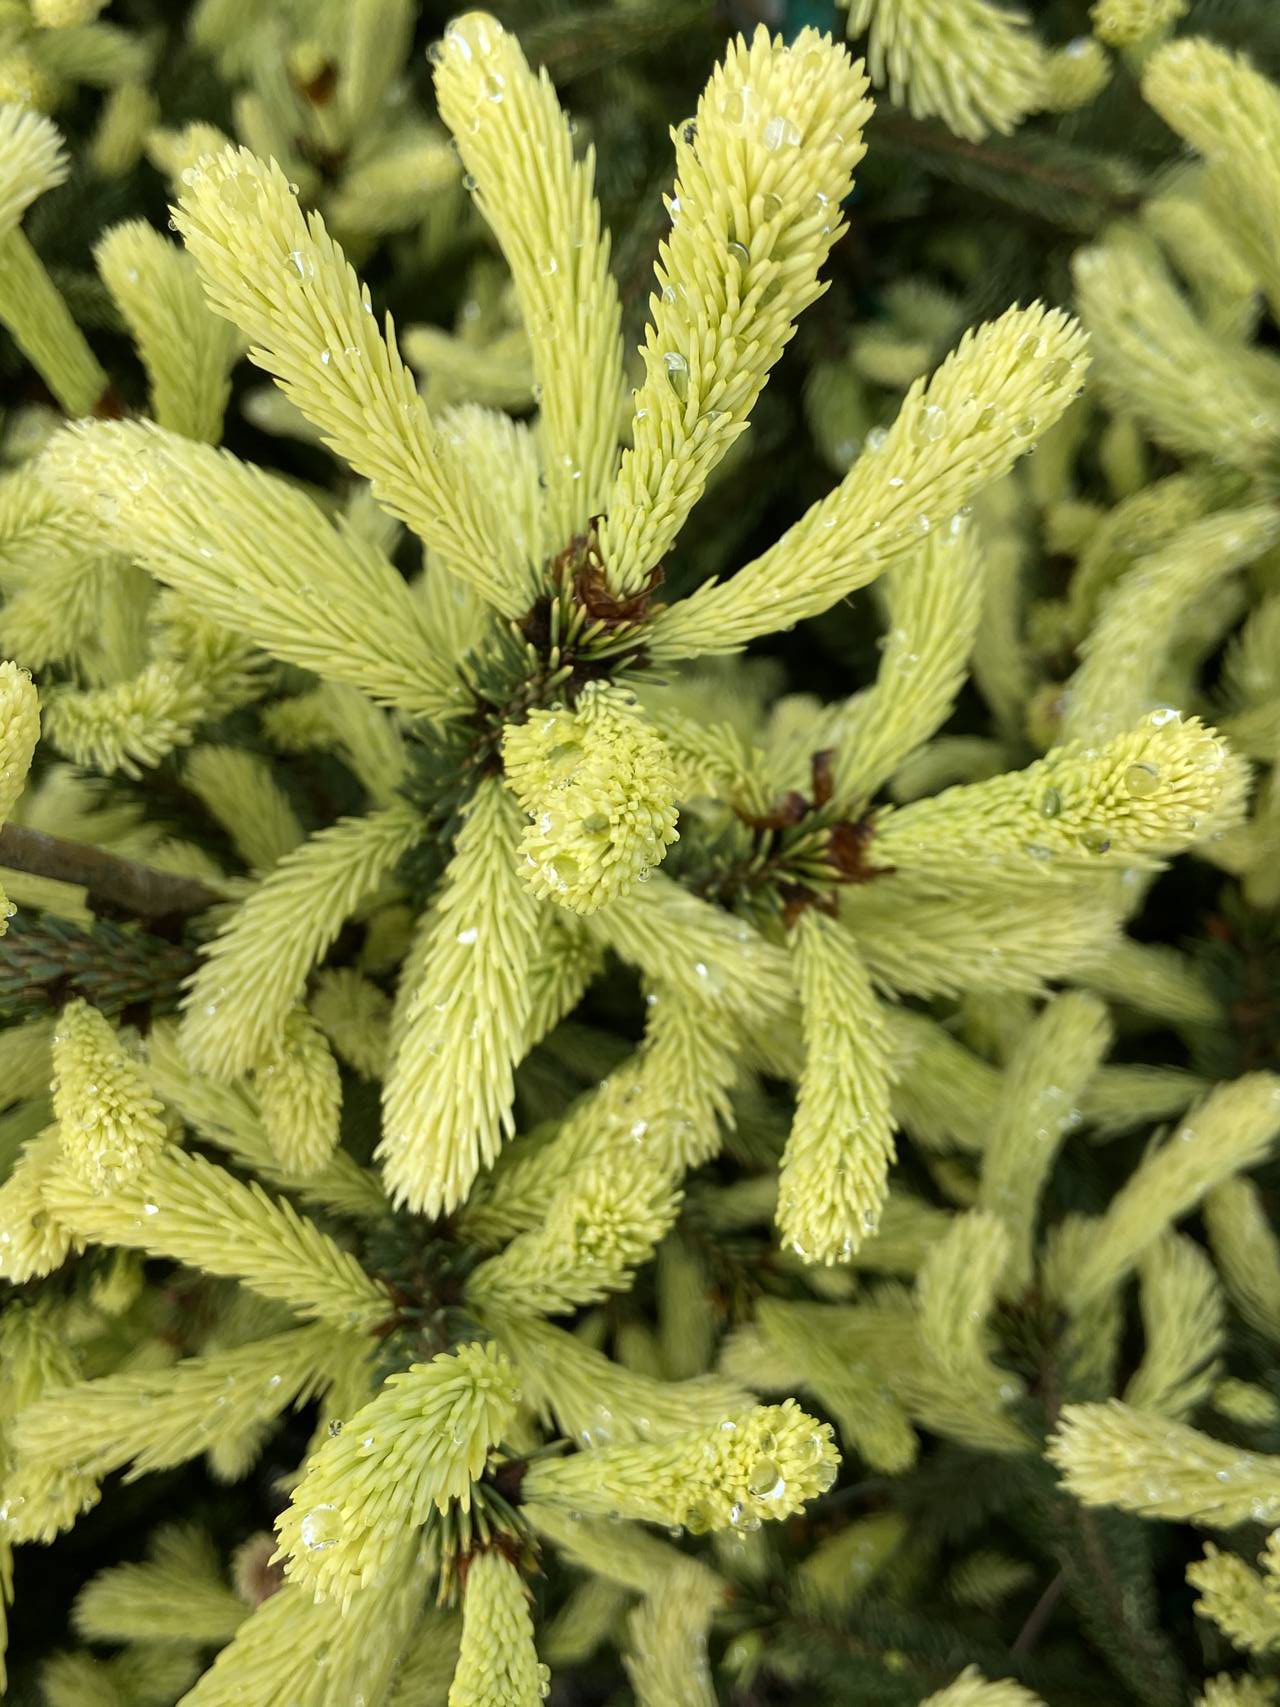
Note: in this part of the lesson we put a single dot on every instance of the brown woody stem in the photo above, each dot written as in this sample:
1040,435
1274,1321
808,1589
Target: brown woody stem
121,885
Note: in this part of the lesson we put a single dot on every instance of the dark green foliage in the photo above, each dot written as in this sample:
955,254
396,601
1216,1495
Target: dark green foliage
121,969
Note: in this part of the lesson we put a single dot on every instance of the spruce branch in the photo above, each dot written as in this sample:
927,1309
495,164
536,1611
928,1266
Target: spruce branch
1106,1566
1059,183
574,44
45,962
975,66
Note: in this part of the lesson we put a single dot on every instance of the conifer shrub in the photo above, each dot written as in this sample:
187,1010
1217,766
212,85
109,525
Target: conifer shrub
638,831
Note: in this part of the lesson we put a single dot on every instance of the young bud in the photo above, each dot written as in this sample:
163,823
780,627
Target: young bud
110,1127
599,787
763,1464
497,1662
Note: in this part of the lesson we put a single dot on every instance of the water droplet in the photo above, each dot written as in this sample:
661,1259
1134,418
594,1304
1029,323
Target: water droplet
468,936
780,132
740,253
765,1480
933,423
564,870
676,298
1051,803
239,192
321,1528
677,373
1142,781
456,38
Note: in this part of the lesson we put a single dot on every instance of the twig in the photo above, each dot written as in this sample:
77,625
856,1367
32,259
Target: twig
897,129
120,885
1040,1615
583,42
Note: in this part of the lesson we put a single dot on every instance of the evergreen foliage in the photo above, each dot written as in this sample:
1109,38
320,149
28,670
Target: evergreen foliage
639,1013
